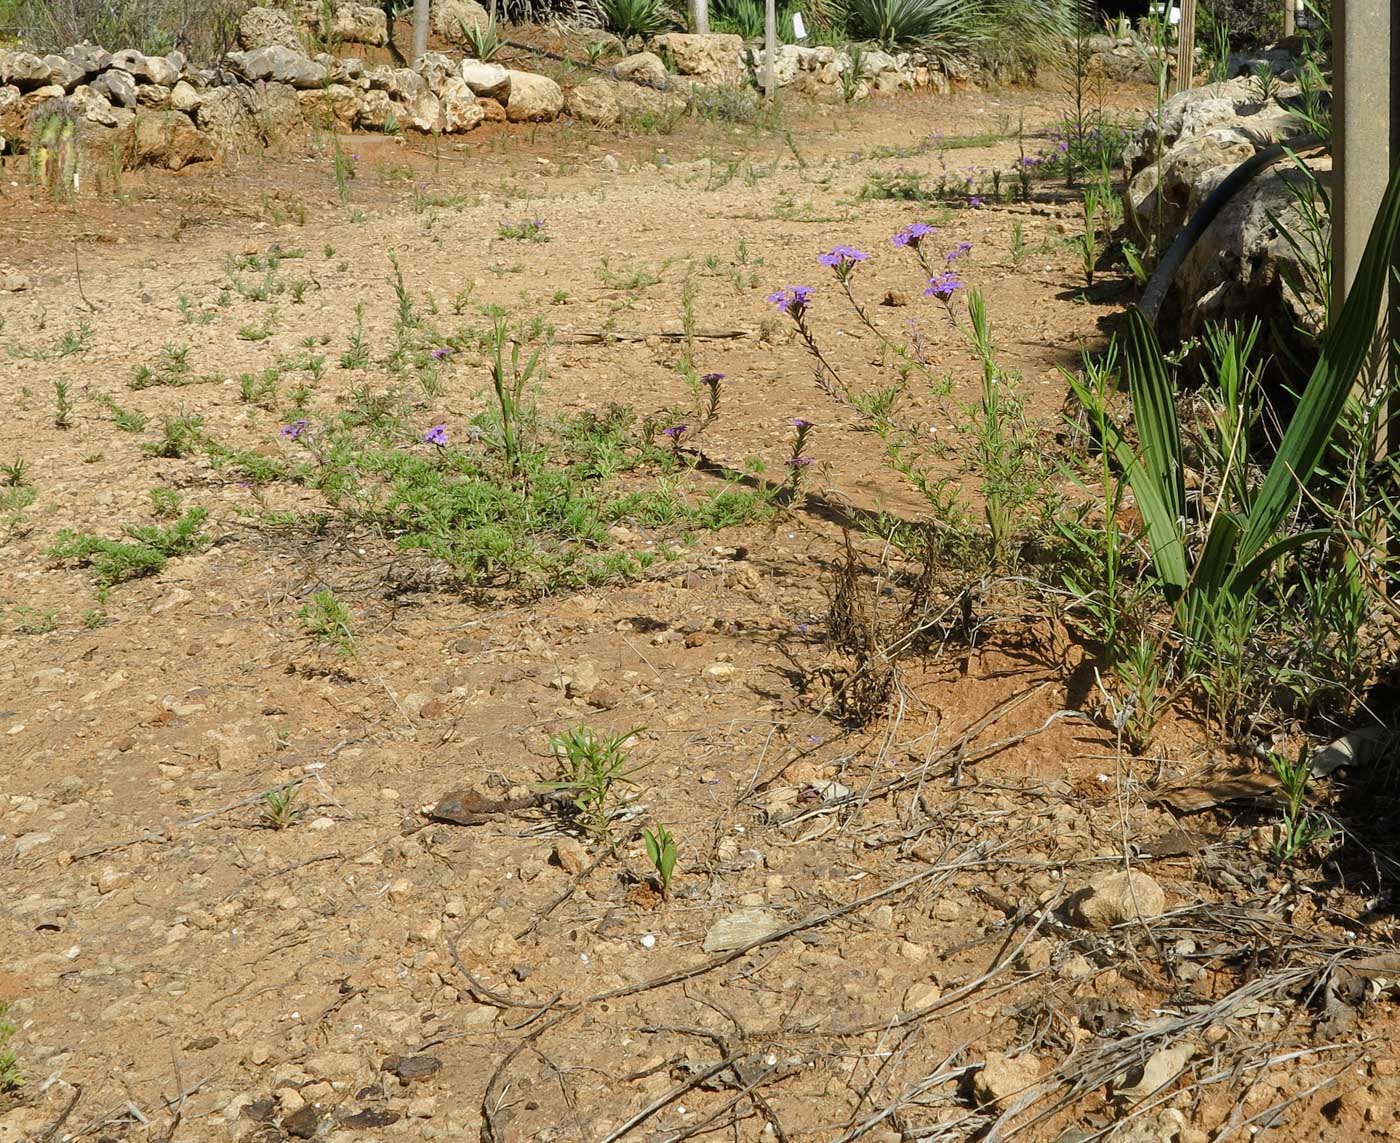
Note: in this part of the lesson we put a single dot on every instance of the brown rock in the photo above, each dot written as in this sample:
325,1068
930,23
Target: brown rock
1115,898
1002,1079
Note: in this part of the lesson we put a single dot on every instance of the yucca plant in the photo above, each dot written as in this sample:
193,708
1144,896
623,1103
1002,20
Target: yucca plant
1246,531
951,29
635,17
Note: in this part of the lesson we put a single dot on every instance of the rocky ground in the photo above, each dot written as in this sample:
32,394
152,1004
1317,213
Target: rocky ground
975,917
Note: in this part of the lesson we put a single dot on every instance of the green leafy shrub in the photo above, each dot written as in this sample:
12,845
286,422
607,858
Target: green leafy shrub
635,17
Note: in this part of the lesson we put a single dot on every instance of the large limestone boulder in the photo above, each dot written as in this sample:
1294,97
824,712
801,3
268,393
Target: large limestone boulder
378,111
229,116
1244,266
118,86
89,57
594,101
164,70
402,83
23,70
435,68
451,18
168,139
64,72
267,28
184,97
277,65
460,110
335,106
280,116
92,105
713,59
359,24
487,80
533,98
644,67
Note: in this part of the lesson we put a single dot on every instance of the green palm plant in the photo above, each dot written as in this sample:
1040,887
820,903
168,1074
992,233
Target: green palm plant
951,28
1246,532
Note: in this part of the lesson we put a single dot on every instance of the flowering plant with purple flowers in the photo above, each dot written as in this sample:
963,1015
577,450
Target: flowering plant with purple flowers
437,435
843,260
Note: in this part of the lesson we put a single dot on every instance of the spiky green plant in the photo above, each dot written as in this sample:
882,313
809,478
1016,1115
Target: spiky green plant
1247,530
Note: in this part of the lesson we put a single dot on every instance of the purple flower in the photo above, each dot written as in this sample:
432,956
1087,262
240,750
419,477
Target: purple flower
293,431
798,461
675,432
442,352
913,234
944,286
842,258
437,435
957,252
712,378
975,201
801,423
1063,147
791,300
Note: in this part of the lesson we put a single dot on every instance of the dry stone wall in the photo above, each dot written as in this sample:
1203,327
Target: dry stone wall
167,112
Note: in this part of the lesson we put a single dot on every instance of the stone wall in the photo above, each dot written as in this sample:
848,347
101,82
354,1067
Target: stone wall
168,112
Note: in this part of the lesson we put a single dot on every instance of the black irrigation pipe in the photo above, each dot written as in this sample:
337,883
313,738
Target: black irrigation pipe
1160,282
611,73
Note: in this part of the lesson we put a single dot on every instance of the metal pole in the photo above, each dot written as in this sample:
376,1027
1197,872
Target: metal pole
1289,16
700,17
1363,97
770,47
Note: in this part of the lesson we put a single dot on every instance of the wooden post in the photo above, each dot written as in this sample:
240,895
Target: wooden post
770,47
1185,44
421,14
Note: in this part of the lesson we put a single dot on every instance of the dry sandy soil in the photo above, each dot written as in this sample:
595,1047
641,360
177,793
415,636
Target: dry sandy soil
178,970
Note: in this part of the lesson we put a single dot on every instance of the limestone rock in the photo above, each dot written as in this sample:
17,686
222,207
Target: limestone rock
359,24
184,97
1001,1080
378,111
24,70
489,80
280,113
1163,1066
229,116
644,66
168,139
92,105
713,58
1115,898
594,101
533,98
334,106
450,18
492,111
277,65
267,28
64,72
118,86
91,58
424,111
435,68
460,110
739,929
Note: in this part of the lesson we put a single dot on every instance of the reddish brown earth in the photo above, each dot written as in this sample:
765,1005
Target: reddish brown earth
177,971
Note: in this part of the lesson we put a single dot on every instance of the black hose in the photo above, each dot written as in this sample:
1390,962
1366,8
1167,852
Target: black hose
1206,213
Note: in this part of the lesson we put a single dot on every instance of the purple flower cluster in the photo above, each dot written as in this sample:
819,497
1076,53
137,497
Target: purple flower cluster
975,201
913,234
798,461
944,286
712,378
792,300
437,435
957,252
293,431
800,423
442,353
675,432
842,258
